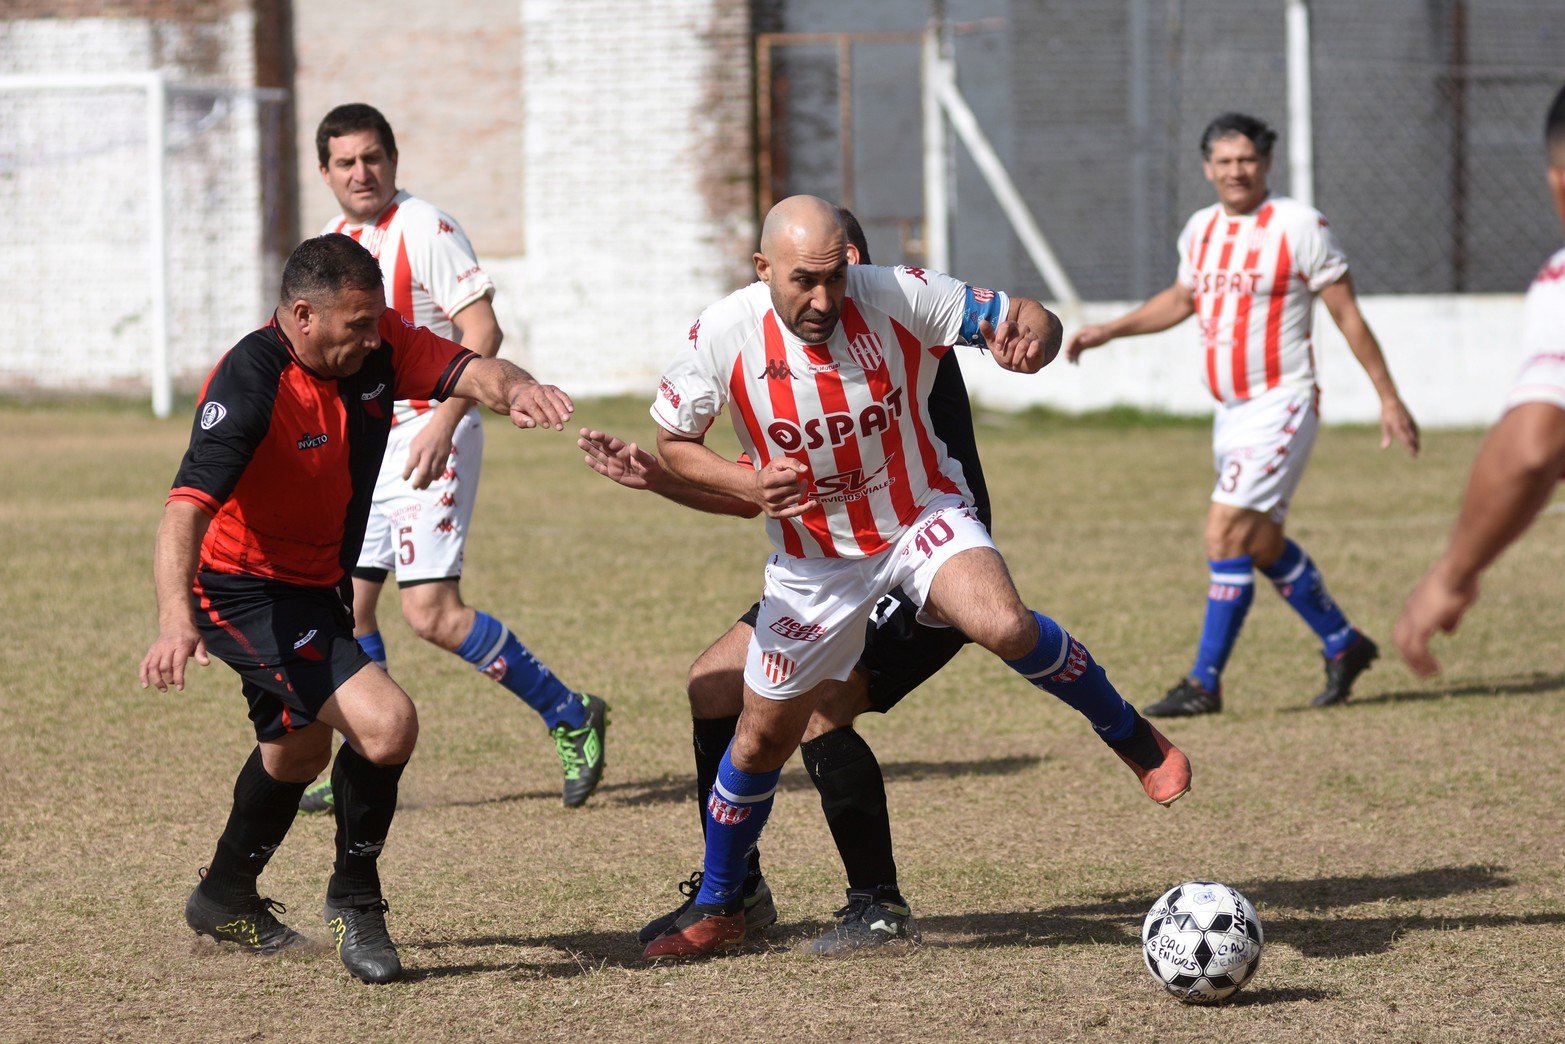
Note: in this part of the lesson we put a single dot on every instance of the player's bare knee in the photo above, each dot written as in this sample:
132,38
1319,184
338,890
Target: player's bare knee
1013,634
757,751
714,691
393,737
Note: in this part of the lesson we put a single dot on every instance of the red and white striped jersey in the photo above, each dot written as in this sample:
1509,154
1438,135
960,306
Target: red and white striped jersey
1542,378
852,409
1254,278
431,270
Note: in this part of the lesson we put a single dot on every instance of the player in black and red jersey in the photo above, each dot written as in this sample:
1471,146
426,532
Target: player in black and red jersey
253,552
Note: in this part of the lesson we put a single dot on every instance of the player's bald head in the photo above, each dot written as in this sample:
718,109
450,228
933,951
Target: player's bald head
803,225
804,261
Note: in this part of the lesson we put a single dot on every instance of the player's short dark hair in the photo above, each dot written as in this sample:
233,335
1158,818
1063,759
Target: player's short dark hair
323,267
350,119
855,233
1554,129
1229,124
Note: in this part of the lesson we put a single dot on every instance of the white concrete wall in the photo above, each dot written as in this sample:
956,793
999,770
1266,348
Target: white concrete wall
75,195
636,183
1453,357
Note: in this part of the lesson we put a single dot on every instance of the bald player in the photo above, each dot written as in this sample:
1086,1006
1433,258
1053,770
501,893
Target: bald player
827,368
1521,460
899,655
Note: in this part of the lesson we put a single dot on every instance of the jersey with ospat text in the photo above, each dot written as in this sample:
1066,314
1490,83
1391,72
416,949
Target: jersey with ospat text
853,409
1254,278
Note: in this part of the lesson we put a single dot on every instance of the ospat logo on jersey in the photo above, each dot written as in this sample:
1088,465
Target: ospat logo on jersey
837,428
212,415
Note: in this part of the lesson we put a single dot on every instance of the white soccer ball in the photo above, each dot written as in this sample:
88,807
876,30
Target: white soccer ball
1202,942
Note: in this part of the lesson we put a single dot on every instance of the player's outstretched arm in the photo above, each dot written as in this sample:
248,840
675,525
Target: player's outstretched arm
507,388
1396,423
1027,339
174,559
1512,479
1161,311
635,468
780,488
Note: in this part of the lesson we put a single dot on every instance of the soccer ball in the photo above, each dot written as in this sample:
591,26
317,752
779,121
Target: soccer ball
1202,942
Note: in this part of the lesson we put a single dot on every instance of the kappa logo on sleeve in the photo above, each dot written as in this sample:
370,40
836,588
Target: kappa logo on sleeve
212,415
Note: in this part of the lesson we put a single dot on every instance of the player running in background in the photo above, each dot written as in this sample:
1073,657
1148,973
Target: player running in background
1521,461
1250,268
264,521
428,483
828,369
900,654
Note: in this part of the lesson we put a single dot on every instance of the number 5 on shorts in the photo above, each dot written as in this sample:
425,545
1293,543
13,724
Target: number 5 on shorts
406,557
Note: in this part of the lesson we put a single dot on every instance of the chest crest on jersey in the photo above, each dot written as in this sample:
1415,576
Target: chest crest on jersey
865,347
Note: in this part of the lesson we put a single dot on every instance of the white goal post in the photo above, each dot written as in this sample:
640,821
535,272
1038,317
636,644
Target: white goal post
157,90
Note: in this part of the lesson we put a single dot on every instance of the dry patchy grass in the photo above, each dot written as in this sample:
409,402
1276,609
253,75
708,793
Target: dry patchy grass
1404,851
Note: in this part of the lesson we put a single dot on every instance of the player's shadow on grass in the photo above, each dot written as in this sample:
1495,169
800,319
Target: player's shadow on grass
1118,918
676,789
1527,685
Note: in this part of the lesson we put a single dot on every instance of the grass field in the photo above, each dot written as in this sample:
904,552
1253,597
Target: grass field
1404,851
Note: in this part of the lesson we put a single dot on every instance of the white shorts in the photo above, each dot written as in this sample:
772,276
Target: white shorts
1260,449
815,611
419,534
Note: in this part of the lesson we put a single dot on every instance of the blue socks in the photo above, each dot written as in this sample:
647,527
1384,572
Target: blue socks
374,648
493,649
736,811
1228,599
1061,666
1301,586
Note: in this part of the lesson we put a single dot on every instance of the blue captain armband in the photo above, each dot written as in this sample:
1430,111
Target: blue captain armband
981,305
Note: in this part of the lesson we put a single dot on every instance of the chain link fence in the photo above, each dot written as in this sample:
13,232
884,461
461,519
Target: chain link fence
1427,129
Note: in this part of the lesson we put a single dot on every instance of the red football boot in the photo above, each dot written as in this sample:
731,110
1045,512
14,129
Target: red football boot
1163,770
697,933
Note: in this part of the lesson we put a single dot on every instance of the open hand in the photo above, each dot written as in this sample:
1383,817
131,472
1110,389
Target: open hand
164,664
624,462
1084,338
1434,605
535,405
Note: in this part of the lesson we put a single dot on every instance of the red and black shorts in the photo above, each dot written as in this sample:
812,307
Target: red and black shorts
293,646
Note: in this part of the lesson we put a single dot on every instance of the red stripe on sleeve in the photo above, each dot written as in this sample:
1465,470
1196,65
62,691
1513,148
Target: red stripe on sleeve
1282,286
205,501
891,439
1241,364
785,407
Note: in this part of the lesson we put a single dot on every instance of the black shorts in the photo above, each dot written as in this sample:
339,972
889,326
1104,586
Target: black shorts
293,646
900,654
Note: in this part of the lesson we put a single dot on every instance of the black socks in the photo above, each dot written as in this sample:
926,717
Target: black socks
264,808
